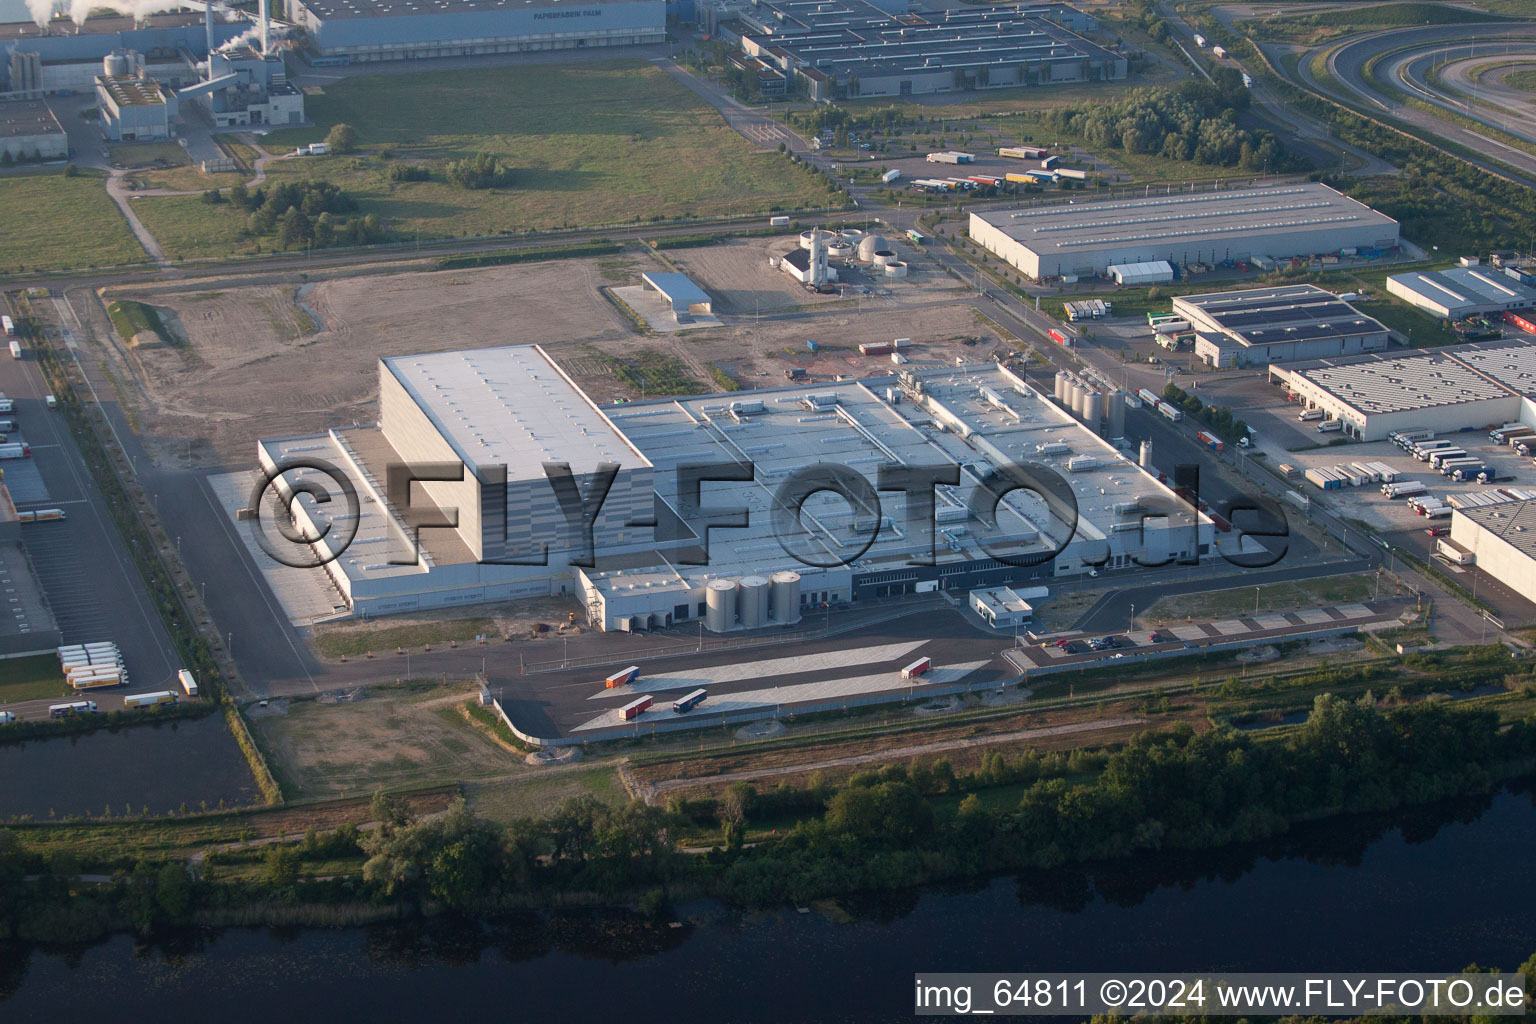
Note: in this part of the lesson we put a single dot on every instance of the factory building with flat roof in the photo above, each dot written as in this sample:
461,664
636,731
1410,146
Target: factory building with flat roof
66,56
1276,221
1457,387
506,414
858,48
1258,326
346,31
1502,541
134,107
1462,292
29,131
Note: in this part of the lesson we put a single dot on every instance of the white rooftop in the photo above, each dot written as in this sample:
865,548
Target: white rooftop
510,406
1384,384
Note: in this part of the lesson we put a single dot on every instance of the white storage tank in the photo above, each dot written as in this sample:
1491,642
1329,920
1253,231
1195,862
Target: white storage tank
786,596
871,244
1146,455
116,64
1094,411
1061,385
1115,414
895,268
719,605
883,257
815,234
754,601
851,235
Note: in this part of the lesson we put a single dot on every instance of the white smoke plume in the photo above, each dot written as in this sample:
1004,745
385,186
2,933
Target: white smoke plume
252,37
44,11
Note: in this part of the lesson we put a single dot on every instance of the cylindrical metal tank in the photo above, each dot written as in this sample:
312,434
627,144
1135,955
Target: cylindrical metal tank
840,249
1146,455
895,268
871,244
1093,411
851,235
786,596
806,237
1084,403
719,605
116,64
1116,414
1061,386
754,601
883,257
1075,394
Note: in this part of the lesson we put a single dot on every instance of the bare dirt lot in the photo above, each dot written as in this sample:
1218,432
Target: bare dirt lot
286,357
386,739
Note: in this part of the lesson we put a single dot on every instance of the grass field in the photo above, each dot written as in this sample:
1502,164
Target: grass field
1325,26
58,223
354,641
132,319
394,737
148,154
1275,597
35,678
591,144
541,793
1522,80
187,227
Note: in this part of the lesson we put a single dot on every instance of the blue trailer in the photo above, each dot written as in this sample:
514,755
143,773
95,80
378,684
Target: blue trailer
689,702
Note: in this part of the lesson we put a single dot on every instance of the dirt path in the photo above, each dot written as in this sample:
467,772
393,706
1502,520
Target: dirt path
119,193
650,791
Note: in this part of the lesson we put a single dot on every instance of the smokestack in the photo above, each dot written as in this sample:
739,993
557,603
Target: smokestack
208,21
265,26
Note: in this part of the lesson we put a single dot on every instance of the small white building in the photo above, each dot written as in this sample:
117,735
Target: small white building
687,299
1005,607
1154,272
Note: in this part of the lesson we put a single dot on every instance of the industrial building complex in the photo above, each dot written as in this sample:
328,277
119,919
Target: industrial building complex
1501,540
1463,291
346,31
1068,240
1453,388
1268,325
29,131
510,417
65,56
861,48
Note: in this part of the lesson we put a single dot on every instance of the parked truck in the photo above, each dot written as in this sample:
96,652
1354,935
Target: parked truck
623,677
42,515
188,683
631,711
78,707
1404,489
778,222
1169,413
688,702
1219,52
891,175
1022,152
1200,40
15,350
1330,426
917,668
1307,415
1147,397
1211,441
149,700
9,326
1299,500
16,451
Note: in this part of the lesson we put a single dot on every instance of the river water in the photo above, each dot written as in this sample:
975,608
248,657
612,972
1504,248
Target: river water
1429,890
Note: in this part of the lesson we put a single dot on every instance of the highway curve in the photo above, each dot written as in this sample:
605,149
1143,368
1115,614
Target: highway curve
1347,64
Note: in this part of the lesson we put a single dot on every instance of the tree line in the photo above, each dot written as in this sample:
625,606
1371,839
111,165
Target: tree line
300,215
1217,417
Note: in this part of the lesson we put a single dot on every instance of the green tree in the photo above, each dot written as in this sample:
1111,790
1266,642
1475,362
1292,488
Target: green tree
342,138
281,867
173,891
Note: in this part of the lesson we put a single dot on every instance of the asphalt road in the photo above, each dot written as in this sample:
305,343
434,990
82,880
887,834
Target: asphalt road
87,573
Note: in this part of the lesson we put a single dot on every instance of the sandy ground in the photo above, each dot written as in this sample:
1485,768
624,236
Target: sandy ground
286,356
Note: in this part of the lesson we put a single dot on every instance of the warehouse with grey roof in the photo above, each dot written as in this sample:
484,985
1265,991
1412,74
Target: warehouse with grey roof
1086,238
344,31
1462,291
1257,326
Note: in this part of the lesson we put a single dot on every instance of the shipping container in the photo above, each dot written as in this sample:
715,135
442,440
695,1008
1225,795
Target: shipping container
778,222
689,702
1301,501
1172,327
1147,397
15,451
149,700
1403,489
9,326
1497,434
42,515
623,677
15,350
188,683
1441,457
891,175
1073,173
1057,336
916,237
629,712
1169,412
1022,152
917,668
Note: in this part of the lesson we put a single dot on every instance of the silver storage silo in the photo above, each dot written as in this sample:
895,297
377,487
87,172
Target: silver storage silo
754,601
720,605
116,64
1116,414
1095,409
786,596
1061,385
1074,396
1146,455
1080,406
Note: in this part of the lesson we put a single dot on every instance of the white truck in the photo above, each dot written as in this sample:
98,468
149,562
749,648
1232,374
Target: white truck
1330,426
1308,415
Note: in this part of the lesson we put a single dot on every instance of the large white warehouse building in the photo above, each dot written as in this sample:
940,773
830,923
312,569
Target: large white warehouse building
1502,540
1257,326
505,413
1277,221
1453,388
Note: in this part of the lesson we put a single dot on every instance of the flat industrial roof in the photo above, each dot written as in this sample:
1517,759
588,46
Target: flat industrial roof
510,406
347,9
21,118
1511,362
676,287
852,36
103,25
1385,384
1514,522
132,92
1272,316
1466,286
1182,218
